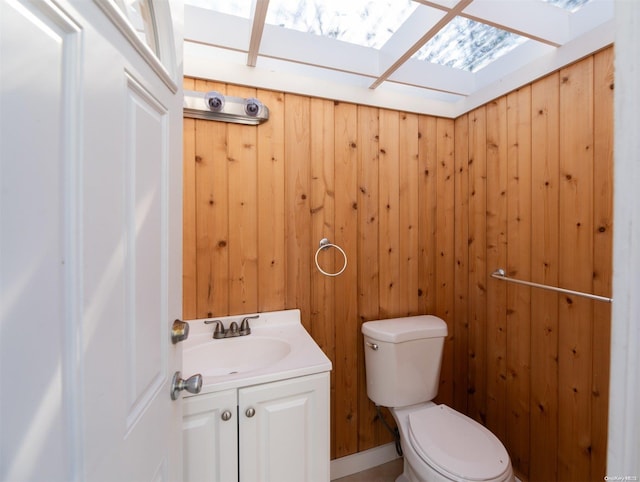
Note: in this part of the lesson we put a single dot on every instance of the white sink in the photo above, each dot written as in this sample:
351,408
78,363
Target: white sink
278,347
234,355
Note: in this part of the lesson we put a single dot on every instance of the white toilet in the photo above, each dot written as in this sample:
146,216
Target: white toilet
403,358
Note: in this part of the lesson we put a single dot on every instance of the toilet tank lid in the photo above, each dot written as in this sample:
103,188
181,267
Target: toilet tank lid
397,330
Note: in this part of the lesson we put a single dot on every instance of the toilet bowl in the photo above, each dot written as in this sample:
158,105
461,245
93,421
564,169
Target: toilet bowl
402,362
440,444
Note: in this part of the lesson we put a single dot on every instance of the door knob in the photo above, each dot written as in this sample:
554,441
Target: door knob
193,384
250,412
179,331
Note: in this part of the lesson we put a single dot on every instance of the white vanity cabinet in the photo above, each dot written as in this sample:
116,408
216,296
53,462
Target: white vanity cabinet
284,430
278,432
210,437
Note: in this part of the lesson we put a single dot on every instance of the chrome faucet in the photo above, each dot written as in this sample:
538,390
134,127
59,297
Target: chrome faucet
245,329
219,332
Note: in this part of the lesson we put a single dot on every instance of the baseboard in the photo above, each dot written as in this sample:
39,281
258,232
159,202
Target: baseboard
364,460
367,459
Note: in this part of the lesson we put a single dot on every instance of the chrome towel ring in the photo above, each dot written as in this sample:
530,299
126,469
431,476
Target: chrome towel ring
326,244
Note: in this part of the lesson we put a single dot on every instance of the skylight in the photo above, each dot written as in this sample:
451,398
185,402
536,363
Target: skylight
442,53
237,8
369,23
468,45
571,5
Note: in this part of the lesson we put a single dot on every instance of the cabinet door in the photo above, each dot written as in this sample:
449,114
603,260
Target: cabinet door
284,430
210,442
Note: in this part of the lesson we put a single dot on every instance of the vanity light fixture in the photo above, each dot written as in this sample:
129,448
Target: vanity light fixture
216,106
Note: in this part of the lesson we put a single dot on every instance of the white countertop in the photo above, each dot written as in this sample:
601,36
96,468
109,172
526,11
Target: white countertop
304,358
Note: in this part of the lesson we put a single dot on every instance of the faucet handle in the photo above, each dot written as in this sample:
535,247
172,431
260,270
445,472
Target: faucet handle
245,329
218,331
233,329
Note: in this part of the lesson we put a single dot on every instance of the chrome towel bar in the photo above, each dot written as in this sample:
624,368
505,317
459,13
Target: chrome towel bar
500,274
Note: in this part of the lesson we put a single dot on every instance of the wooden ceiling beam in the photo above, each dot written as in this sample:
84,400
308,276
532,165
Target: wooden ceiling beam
259,16
449,15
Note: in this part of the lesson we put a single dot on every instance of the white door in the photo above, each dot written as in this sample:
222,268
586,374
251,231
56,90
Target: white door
90,240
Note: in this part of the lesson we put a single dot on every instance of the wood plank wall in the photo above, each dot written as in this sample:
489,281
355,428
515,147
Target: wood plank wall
426,208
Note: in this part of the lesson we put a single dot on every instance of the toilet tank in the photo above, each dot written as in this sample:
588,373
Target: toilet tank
403,358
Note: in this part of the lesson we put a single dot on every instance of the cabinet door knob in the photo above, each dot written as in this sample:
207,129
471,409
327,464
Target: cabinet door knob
250,412
226,415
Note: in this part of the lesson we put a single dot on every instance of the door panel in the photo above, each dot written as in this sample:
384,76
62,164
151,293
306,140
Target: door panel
131,201
37,260
146,300
90,249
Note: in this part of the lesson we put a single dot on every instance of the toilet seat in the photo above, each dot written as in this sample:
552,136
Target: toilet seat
457,446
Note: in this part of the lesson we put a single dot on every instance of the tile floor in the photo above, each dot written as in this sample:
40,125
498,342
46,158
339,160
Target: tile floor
382,473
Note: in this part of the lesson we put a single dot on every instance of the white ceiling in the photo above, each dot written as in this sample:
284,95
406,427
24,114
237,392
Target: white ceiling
249,51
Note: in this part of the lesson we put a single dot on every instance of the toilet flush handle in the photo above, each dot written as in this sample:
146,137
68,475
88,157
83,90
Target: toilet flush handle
373,346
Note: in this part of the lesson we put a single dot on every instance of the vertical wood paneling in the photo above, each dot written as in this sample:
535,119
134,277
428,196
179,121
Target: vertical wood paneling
518,266
445,257
576,270
497,149
322,221
461,267
426,209
544,269
322,226
477,264
189,258
212,213
297,151
271,219
389,191
428,201
243,208
602,254
346,307
408,235
370,432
